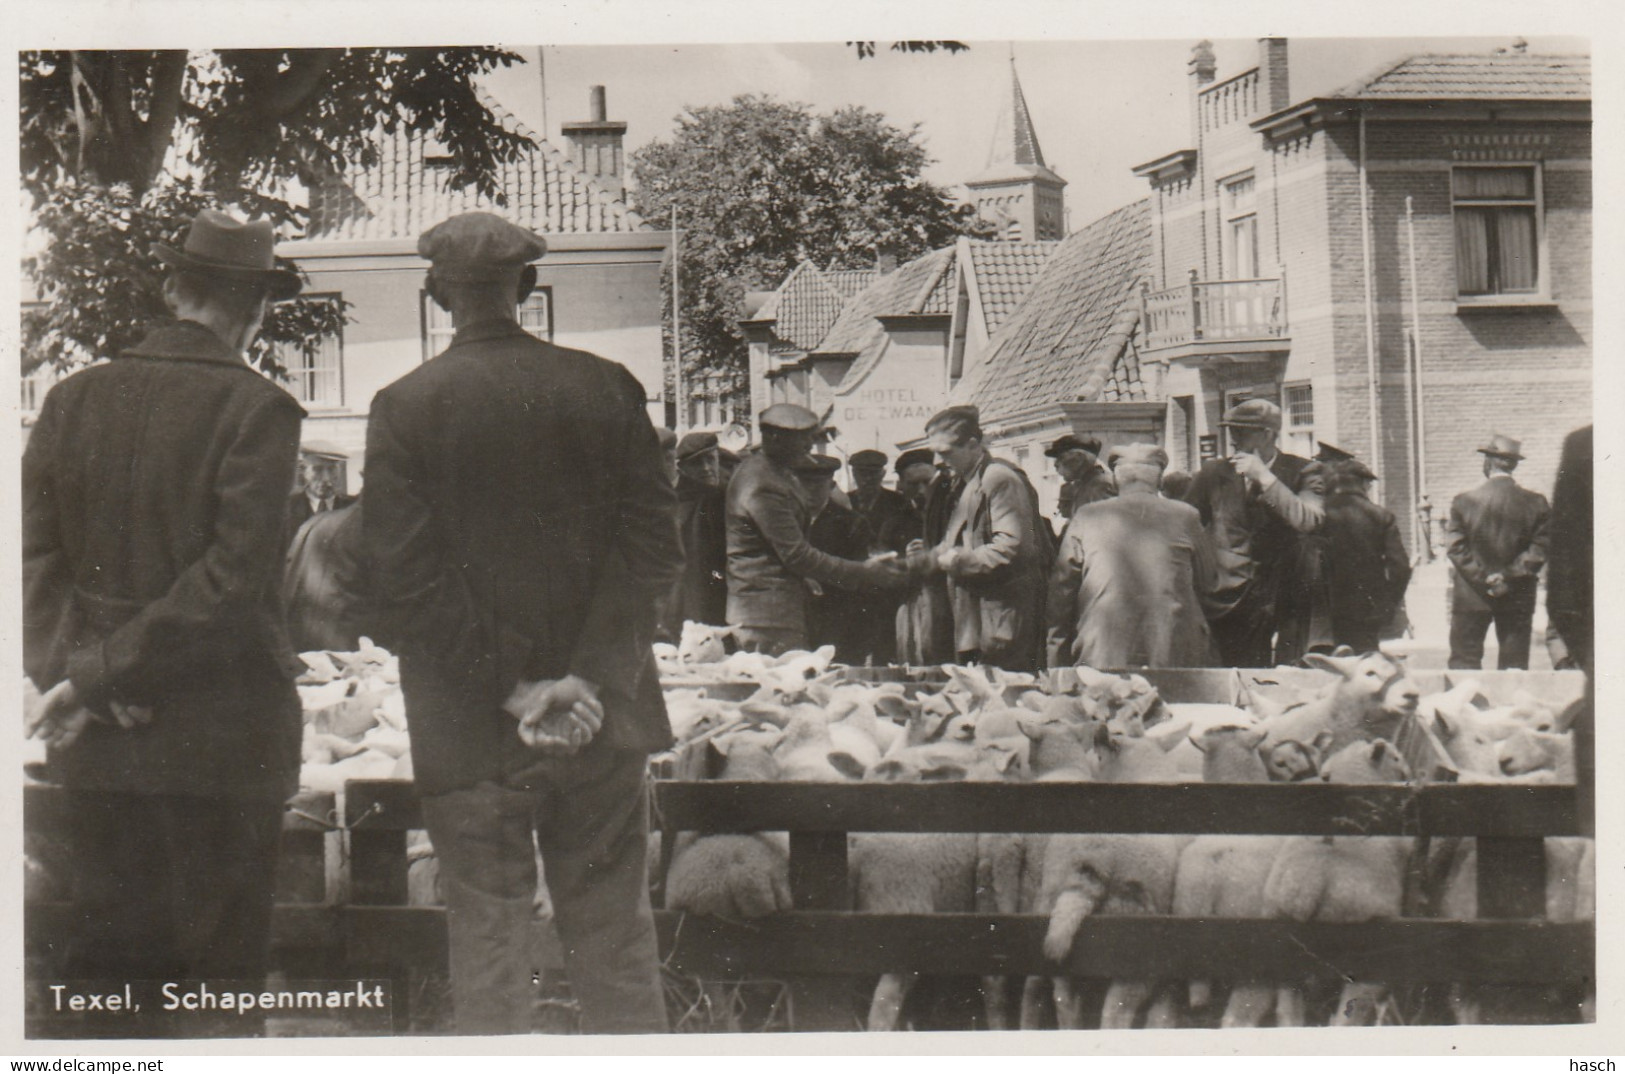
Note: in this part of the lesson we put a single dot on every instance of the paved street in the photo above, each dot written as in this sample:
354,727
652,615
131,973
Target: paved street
1427,602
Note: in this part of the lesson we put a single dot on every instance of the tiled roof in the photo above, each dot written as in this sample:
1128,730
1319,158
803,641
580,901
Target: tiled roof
1071,339
401,196
923,285
1507,75
803,308
1004,271
848,282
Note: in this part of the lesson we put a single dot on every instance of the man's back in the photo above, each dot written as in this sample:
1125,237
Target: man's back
1499,519
501,478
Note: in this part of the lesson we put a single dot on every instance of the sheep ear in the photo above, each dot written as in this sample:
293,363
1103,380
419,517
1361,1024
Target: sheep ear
1102,736
1377,749
1199,740
1004,759
1323,742
1173,738
894,705
819,693
1033,729
1444,726
1338,665
1032,701
1253,737
846,764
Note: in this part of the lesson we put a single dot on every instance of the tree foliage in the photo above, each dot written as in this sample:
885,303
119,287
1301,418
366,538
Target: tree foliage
760,185
118,149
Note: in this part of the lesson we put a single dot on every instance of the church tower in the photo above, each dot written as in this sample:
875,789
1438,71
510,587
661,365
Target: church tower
1016,190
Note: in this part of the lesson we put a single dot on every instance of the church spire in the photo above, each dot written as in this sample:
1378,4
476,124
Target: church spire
1017,190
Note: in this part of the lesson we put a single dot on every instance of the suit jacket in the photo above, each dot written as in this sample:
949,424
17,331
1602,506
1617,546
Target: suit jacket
154,495
300,511
1130,586
325,583
522,527
879,511
1256,535
1569,573
841,617
1367,567
768,551
996,584
1497,528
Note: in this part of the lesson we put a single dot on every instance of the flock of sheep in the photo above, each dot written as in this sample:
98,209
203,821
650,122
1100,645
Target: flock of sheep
806,724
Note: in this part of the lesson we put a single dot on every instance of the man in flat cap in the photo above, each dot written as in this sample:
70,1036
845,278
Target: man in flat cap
1133,582
924,622
770,559
1367,568
522,529
154,501
1083,479
321,470
1497,538
1257,505
996,551
870,497
701,593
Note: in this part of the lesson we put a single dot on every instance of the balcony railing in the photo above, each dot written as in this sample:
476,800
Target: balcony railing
1215,311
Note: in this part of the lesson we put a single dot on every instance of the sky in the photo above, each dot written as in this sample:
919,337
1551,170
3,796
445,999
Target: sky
1099,107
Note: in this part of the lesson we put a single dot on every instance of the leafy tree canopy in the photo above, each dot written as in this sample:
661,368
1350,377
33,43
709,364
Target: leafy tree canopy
120,148
760,185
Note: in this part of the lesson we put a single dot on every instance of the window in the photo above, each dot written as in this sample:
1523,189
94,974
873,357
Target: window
317,379
35,384
1240,246
1298,420
1497,213
535,317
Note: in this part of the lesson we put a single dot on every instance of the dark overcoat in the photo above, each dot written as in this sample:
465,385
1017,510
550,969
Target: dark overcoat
520,526
1498,528
1367,568
702,594
154,494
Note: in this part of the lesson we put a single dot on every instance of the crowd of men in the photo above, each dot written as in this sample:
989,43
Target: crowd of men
524,536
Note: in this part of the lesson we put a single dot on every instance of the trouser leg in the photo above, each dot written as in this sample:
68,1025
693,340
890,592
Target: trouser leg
1243,638
1467,629
1514,625
483,837
593,832
774,641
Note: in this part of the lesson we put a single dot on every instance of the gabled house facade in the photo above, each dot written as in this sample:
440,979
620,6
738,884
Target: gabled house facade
598,287
1403,265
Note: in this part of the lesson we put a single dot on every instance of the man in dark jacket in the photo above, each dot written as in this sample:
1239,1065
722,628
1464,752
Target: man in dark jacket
1084,480
321,466
1367,568
1256,505
839,617
1497,544
324,582
154,497
701,593
769,556
869,496
924,624
522,527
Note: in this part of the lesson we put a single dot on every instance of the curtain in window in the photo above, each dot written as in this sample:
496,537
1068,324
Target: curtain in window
1472,251
1515,249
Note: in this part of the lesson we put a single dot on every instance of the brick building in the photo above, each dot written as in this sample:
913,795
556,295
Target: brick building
598,288
1271,278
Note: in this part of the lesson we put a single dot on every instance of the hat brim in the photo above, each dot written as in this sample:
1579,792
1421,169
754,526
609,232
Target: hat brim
1513,455
280,284
1250,425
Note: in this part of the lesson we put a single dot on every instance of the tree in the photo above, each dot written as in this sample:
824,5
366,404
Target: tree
120,148
761,185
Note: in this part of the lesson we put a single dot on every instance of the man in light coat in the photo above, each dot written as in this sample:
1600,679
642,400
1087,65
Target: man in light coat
995,552
1497,538
1132,582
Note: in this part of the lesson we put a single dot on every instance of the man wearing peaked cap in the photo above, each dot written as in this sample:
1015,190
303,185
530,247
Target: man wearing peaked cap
842,618
522,530
1367,568
870,497
1497,538
770,559
1261,508
154,498
1127,554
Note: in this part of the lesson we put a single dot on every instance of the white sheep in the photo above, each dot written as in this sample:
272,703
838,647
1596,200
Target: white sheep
1342,878
1370,699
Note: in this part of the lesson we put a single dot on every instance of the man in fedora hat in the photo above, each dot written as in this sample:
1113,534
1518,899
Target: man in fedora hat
1132,583
1258,505
522,528
321,469
770,558
154,497
1367,567
1497,545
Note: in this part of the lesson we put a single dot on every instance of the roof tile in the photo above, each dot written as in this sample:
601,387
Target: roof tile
1507,75
1004,271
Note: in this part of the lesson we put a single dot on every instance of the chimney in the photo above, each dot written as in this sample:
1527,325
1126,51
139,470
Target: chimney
1202,68
885,259
1272,72
595,145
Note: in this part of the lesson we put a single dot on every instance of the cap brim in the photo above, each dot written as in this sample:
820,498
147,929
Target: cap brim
280,284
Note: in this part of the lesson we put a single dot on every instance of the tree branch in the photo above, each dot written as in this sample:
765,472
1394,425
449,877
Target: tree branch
168,79
295,86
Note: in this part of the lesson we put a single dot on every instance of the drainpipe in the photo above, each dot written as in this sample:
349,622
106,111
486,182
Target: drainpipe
1370,311
1416,415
